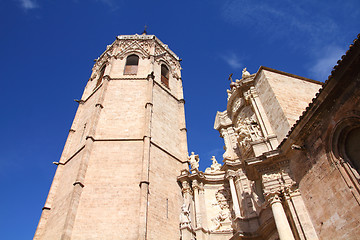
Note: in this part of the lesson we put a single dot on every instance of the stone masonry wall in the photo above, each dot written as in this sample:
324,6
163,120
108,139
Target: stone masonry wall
328,199
165,199
109,202
284,99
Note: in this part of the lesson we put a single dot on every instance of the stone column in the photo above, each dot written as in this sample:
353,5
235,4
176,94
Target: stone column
234,197
195,186
281,221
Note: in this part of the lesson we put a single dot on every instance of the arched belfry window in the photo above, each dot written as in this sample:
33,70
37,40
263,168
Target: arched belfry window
165,75
131,65
101,75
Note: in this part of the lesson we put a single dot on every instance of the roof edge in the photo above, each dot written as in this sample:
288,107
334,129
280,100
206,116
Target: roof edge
286,74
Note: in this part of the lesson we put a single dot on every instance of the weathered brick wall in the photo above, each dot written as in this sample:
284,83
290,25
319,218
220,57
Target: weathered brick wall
328,199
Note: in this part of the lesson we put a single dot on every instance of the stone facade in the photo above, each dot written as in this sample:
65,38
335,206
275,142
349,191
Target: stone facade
281,176
255,181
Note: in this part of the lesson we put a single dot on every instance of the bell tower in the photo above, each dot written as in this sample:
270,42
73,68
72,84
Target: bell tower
117,175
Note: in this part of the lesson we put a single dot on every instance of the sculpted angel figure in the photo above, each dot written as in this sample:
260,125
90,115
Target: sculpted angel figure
194,161
245,73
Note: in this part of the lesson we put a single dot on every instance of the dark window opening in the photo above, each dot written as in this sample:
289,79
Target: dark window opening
165,75
101,75
351,147
131,65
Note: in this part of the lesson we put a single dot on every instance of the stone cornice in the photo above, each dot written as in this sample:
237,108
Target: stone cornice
206,178
222,120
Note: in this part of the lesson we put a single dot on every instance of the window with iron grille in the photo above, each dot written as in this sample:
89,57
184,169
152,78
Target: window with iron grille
131,65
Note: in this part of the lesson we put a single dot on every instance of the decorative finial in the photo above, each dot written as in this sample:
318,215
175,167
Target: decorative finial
230,77
145,28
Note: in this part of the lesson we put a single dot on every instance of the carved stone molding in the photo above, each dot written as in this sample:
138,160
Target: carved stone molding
230,174
273,197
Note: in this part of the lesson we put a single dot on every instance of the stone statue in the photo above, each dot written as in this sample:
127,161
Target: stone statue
245,73
185,220
194,162
215,166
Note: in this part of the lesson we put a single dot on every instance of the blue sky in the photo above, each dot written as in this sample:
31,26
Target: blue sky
48,47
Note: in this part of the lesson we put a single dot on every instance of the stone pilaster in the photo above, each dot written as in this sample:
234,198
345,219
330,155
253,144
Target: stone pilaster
281,221
252,96
300,214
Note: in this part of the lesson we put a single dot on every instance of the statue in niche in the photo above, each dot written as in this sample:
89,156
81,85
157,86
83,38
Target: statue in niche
243,131
194,162
248,130
215,166
222,200
185,220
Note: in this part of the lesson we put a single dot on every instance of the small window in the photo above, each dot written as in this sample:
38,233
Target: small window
131,65
165,75
101,75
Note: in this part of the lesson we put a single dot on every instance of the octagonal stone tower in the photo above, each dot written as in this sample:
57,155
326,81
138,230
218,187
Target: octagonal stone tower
116,178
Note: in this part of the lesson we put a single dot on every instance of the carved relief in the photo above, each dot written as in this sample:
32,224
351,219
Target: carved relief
222,220
237,104
247,129
277,181
162,54
140,46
